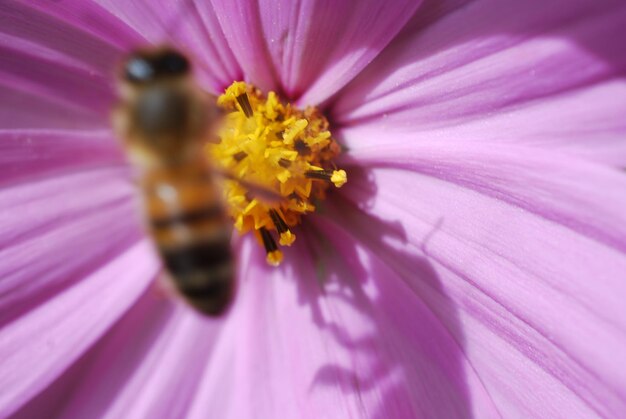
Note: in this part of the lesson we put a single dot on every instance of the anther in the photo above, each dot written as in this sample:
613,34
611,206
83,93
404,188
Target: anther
240,156
244,102
284,163
274,256
301,147
286,236
319,174
338,177
278,221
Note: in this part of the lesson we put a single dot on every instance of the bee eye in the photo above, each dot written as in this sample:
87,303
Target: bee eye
142,68
138,70
172,63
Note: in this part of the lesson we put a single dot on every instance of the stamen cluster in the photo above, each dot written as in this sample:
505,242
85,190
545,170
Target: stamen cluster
280,163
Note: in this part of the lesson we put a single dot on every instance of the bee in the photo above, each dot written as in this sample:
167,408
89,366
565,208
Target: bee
164,120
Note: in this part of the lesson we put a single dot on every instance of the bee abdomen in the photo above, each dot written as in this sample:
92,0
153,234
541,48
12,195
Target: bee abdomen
203,272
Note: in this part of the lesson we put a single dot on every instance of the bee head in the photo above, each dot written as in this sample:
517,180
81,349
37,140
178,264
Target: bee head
143,67
164,114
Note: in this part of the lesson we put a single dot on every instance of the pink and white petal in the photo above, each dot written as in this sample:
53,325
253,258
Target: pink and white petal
40,345
309,49
530,251
76,34
23,110
438,379
487,64
67,17
565,190
32,153
148,314
293,347
130,374
187,25
152,373
55,232
586,123
52,74
81,100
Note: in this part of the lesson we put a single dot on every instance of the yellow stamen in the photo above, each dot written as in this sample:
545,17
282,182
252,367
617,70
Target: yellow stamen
274,258
286,154
339,178
287,238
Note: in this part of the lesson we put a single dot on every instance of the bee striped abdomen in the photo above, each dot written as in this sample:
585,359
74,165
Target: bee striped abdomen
202,272
188,222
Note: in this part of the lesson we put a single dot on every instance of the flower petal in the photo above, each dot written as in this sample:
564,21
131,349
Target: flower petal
152,373
34,84
309,49
546,74
531,250
52,74
569,191
55,232
331,339
148,314
38,346
427,344
131,374
188,25
19,109
29,154
56,24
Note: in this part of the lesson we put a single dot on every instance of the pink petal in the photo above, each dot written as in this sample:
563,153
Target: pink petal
529,248
187,25
19,109
37,347
52,74
590,125
438,379
130,374
299,345
309,49
73,33
149,313
75,99
63,18
70,90
53,233
556,187
152,373
547,74
29,154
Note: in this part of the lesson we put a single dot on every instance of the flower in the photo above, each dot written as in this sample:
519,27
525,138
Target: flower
473,265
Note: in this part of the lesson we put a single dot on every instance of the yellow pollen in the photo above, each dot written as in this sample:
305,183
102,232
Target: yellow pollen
279,160
339,178
287,238
274,257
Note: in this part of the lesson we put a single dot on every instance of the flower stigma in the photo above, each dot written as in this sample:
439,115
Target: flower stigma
279,162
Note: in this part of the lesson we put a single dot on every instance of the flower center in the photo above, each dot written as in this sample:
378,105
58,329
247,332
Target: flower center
279,161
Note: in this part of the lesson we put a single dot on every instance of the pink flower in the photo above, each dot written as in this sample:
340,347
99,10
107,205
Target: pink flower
473,265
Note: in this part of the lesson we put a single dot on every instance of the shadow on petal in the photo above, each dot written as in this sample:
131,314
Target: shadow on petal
409,359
